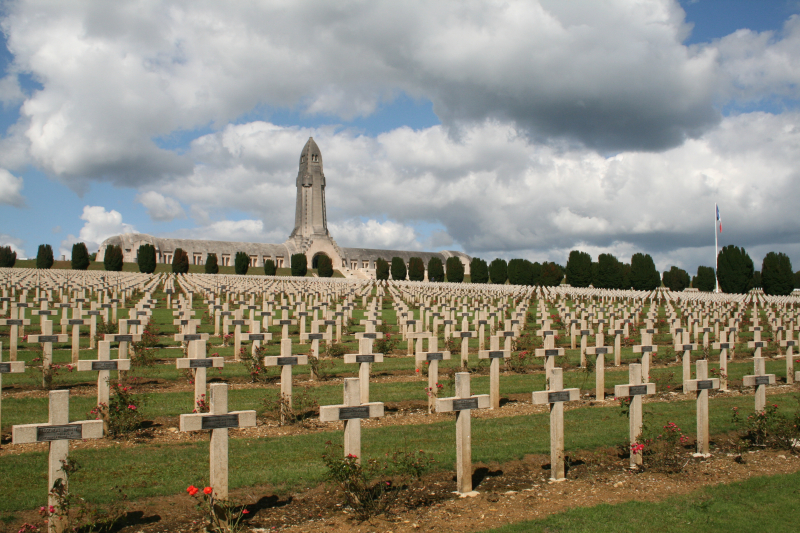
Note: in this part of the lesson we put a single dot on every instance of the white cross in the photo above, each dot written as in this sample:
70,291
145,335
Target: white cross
351,412
701,385
556,396
635,390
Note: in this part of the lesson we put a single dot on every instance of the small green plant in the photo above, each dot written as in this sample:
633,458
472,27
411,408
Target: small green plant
322,368
364,486
75,513
254,363
104,328
768,428
521,363
335,349
123,414
299,411
387,344
411,464
144,353
663,379
222,516
663,450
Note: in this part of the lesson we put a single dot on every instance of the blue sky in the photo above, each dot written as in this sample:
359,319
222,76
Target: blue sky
519,132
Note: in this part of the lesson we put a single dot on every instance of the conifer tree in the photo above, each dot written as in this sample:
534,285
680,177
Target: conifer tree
80,257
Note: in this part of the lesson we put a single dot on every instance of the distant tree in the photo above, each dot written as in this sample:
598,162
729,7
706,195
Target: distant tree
498,271
80,257
211,266
299,265
734,270
626,276
536,273
676,279
777,278
609,272
324,266
381,269
8,257
478,270
93,256
435,269
398,269
180,261
579,269
516,272
755,281
552,275
416,269
112,260
455,270
704,280
644,276
269,267
796,275
44,258
146,257
241,263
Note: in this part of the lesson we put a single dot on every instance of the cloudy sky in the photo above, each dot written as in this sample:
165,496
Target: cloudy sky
500,128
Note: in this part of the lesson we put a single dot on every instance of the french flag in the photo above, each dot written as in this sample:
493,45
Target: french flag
718,219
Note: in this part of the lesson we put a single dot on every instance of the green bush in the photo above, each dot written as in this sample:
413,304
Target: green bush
7,257
704,280
644,276
180,262
498,271
579,269
777,277
112,261
755,281
269,267
80,257
44,258
324,266
398,269
609,273
211,266
676,279
435,269
552,275
479,270
734,270
299,265
520,272
381,269
241,263
146,257
416,269
455,270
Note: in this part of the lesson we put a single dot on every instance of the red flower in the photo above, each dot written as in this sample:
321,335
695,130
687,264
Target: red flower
208,490
192,490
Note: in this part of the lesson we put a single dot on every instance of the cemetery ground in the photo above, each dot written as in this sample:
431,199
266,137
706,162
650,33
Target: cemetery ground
277,471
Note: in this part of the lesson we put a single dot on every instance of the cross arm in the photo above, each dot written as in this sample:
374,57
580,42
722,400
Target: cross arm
113,364
432,356
700,384
200,362
600,350
754,381
686,347
548,352
48,338
83,429
184,337
566,395
373,335
113,337
334,413
623,391
494,354
447,405
363,358
234,419
645,348
12,367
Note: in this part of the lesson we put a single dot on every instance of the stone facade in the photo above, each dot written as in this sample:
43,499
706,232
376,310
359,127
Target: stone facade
310,236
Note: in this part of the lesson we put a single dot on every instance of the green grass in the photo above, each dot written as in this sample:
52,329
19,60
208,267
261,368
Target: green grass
756,505
293,462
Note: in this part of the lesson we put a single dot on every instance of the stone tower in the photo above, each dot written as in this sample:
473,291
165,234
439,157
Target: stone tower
310,219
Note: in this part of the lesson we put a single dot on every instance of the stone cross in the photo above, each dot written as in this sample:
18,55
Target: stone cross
789,344
600,369
218,421
15,324
366,339
723,348
556,396
46,339
103,366
364,361
237,324
315,338
11,367
462,404
757,345
432,358
351,412
76,324
617,345
58,432
584,333
256,337
701,385
635,390
464,336
494,355
123,340
646,351
549,355
687,358
286,362
759,380
198,362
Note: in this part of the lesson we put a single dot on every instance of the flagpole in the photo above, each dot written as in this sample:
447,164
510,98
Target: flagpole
716,250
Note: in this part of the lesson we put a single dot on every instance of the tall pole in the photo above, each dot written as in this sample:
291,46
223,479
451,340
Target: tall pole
716,252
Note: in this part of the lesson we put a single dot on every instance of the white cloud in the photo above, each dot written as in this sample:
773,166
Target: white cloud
15,244
99,225
161,208
10,188
373,234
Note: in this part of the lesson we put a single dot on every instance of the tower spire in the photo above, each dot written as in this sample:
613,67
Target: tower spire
310,218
